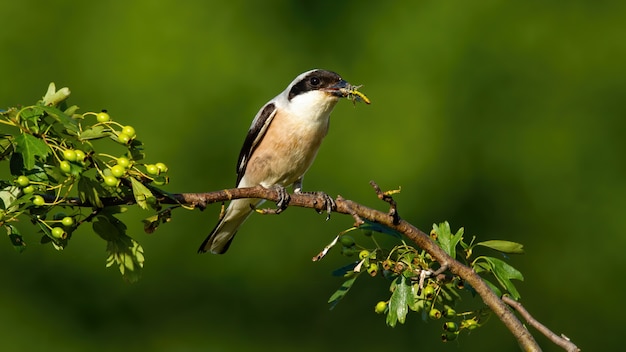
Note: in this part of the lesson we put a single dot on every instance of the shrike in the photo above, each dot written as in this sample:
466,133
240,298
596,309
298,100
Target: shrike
281,144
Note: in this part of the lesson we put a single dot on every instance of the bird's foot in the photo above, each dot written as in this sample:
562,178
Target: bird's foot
283,202
283,199
328,202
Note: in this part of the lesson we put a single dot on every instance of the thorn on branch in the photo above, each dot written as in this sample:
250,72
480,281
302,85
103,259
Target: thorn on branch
386,197
357,219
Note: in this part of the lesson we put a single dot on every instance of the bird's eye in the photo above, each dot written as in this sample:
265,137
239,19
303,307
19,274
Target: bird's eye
314,81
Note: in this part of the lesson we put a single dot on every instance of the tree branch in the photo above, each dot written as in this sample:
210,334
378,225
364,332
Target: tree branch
390,219
561,341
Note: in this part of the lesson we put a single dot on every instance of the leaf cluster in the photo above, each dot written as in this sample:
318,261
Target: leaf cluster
418,283
57,158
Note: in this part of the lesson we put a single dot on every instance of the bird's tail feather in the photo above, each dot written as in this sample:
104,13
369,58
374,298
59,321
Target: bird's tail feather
222,235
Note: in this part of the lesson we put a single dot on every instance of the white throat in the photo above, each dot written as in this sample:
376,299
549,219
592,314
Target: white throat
313,105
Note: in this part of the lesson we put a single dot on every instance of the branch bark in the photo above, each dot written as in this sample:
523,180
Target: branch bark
561,341
359,211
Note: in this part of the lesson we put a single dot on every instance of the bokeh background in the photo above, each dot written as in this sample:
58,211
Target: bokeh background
505,118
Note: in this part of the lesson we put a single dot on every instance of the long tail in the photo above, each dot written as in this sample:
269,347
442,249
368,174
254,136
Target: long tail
222,235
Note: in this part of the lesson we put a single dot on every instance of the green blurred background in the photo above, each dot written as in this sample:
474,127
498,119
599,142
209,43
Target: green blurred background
506,118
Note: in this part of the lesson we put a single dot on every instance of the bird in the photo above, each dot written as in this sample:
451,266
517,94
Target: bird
280,146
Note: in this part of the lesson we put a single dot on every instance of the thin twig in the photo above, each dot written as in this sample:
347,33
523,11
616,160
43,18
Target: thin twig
561,341
357,219
386,197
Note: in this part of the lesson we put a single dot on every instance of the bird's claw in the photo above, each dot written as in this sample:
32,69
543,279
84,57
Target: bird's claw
329,203
283,200
281,204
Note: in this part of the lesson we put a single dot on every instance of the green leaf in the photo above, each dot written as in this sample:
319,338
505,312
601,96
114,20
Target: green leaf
30,147
399,303
16,164
94,133
136,150
493,287
8,195
344,269
32,116
503,246
6,146
142,193
123,251
106,229
341,292
89,191
504,273
151,223
373,226
127,254
418,303
16,238
70,124
446,240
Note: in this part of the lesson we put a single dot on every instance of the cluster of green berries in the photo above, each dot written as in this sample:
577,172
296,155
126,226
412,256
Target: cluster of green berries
27,187
73,161
72,156
61,224
431,295
125,135
349,249
451,327
123,165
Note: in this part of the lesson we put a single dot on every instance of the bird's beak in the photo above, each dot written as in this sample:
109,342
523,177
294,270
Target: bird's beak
339,89
343,89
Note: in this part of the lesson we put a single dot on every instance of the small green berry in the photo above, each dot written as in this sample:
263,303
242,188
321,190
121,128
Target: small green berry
111,181
160,181
429,292
67,221
372,269
22,181
118,171
69,155
347,251
123,138
450,326
65,166
449,336
129,131
80,155
434,314
38,200
380,307
123,162
28,189
449,312
58,232
152,169
346,240
103,116
162,167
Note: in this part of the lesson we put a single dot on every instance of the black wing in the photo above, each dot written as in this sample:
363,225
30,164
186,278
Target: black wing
254,137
